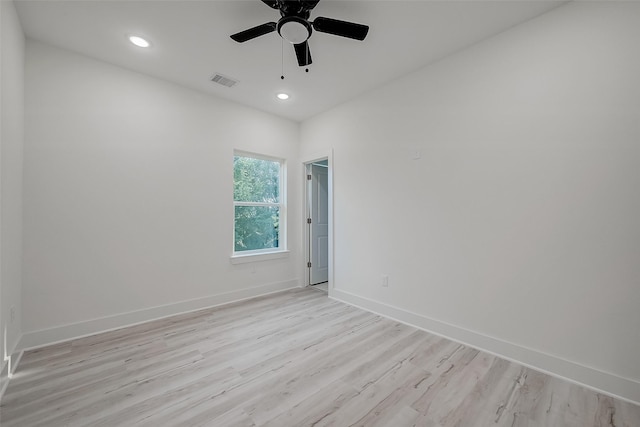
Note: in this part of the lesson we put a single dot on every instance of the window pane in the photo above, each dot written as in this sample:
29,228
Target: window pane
256,227
256,180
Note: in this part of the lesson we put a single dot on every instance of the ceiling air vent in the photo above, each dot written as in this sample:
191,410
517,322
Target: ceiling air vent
224,81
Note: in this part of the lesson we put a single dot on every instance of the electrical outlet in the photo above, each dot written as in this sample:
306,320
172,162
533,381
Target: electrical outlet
385,281
12,314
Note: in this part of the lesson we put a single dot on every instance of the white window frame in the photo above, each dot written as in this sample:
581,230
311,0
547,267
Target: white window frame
268,253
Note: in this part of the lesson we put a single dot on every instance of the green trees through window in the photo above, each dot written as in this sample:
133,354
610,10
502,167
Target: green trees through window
257,203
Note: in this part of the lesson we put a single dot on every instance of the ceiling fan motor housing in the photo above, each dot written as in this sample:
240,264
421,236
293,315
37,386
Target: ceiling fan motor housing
294,29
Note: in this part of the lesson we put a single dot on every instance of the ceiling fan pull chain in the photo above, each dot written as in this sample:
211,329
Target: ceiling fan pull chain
308,54
282,58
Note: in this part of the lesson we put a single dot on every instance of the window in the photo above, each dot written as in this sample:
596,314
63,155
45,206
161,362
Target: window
258,200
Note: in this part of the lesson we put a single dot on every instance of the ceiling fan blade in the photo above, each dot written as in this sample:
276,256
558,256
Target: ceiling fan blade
308,4
254,32
303,53
271,3
341,28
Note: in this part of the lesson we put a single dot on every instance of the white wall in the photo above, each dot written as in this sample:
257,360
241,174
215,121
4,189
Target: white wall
518,229
128,189
12,138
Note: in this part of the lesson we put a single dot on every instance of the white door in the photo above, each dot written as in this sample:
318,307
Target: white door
319,243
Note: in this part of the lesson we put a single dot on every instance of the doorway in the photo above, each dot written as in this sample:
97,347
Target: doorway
317,233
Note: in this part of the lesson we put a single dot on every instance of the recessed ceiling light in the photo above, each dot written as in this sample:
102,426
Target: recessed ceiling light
139,41
282,96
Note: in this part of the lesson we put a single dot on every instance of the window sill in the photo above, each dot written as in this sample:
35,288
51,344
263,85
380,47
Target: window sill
244,258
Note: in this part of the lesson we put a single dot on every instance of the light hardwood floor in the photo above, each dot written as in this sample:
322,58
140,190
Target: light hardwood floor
294,358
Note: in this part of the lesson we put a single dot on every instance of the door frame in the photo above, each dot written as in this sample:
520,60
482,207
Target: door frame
307,160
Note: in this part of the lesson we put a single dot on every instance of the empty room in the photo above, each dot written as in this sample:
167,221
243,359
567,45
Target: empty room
320,213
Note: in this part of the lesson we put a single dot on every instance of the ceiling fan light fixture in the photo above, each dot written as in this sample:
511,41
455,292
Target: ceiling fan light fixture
282,96
293,29
139,41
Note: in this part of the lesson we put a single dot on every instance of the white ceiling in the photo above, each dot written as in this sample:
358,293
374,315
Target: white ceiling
190,42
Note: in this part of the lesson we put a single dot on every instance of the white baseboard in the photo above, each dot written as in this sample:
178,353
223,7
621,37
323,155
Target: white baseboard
44,337
600,381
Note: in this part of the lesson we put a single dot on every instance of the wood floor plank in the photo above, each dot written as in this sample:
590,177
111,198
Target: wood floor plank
316,407
294,358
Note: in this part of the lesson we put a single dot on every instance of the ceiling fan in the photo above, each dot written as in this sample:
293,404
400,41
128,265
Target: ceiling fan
294,26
